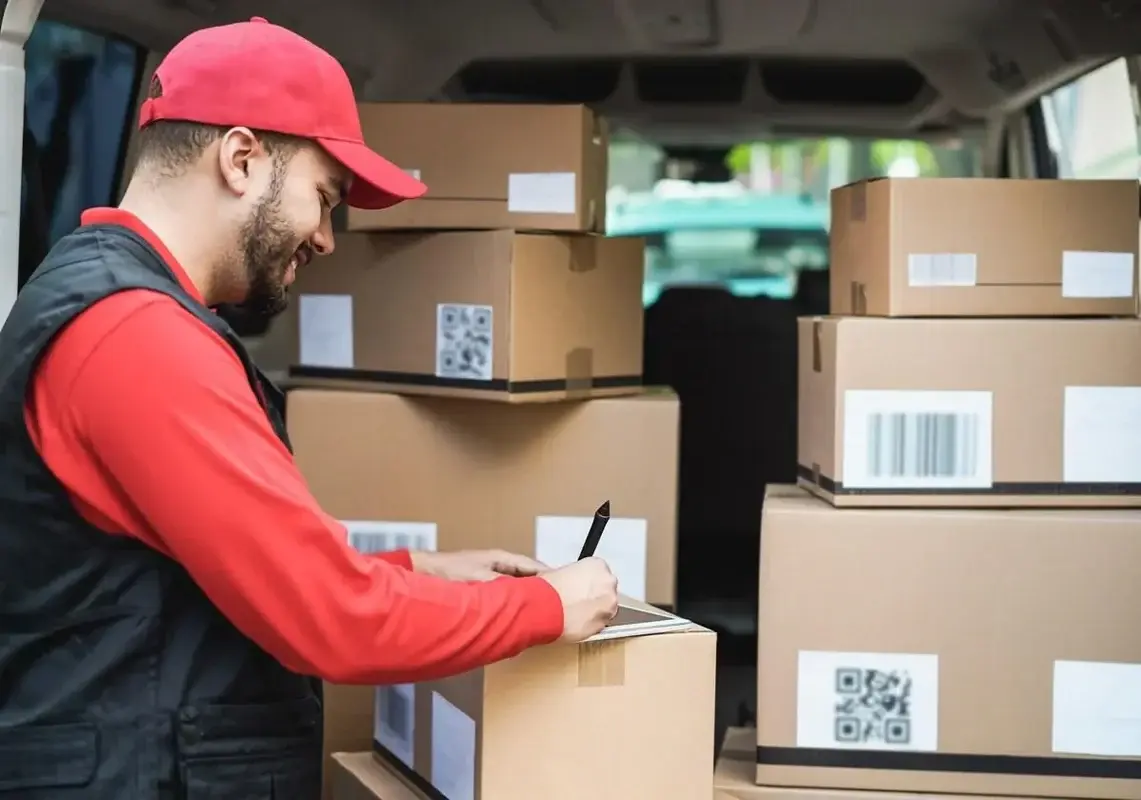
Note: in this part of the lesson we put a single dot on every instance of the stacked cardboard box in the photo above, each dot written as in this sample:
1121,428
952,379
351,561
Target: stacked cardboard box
947,601
465,371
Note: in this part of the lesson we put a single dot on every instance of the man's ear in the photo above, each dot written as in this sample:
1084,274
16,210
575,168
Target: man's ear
236,150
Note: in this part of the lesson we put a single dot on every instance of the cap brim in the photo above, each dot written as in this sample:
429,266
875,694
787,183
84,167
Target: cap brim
377,182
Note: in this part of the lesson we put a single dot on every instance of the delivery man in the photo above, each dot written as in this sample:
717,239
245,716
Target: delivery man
169,588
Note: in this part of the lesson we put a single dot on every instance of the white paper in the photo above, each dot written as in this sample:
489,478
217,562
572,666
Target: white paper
453,750
1102,434
1091,275
1097,709
631,622
558,541
395,720
942,269
465,341
541,193
867,701
917,440
325,323
378,536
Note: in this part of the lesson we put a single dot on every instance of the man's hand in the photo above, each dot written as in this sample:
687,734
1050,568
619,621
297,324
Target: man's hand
589,592
475,565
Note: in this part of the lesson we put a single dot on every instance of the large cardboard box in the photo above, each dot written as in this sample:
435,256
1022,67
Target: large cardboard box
970,412
459,474
953,651
947,247
626,714
734,778
527,167
496,315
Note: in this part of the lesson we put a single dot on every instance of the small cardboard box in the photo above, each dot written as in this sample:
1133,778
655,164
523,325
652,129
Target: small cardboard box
970,412
984,247
625,714
494,315
503,165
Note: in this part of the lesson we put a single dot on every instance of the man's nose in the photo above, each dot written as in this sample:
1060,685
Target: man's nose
323,241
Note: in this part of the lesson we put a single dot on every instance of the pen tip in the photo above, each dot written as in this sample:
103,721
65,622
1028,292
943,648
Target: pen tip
604,509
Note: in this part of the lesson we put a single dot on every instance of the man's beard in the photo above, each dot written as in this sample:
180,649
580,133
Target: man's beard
267,246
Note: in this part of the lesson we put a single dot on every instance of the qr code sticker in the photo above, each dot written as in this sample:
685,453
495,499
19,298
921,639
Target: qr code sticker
464,341
873,705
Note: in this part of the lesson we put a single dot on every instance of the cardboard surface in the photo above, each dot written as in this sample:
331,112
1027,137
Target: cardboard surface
495,315
626,717
979,651
453,474
736,770
947,247
348,714
970,412
527,167
359,776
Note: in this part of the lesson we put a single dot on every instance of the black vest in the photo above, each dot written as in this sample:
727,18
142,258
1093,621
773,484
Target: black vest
119,680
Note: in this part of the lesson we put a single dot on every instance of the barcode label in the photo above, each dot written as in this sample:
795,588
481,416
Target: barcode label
926,445
394,726
382,537
942,269
917,440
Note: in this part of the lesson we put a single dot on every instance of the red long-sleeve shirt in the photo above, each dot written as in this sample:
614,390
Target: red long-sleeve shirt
146,417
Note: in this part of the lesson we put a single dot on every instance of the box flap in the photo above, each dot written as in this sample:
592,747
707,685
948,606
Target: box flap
361,776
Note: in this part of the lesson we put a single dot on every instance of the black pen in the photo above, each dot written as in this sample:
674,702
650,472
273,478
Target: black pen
597,526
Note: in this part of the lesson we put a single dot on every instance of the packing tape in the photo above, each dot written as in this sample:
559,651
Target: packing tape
583,252
859,299
817,354
858,202
579,372
602,663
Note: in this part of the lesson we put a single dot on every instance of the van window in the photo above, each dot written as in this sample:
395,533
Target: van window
763,222
80,91
1090,125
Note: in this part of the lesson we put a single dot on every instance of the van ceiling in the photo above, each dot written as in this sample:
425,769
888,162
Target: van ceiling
688,71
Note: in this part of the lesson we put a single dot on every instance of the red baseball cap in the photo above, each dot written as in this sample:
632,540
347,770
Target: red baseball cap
262,76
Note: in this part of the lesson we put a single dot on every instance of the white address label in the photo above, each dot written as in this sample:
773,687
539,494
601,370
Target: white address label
375,536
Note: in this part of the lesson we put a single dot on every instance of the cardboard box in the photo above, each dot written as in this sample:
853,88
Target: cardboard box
460,474
626,714
970,412
953,651
496,315
359,776
984,247
527,167
734,777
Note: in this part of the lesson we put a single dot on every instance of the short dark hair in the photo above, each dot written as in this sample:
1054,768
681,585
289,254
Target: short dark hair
172,146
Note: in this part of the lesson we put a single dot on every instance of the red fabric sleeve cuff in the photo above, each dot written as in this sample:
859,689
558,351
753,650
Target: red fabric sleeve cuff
542,612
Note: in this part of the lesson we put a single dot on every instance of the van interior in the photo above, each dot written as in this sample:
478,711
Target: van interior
732,120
